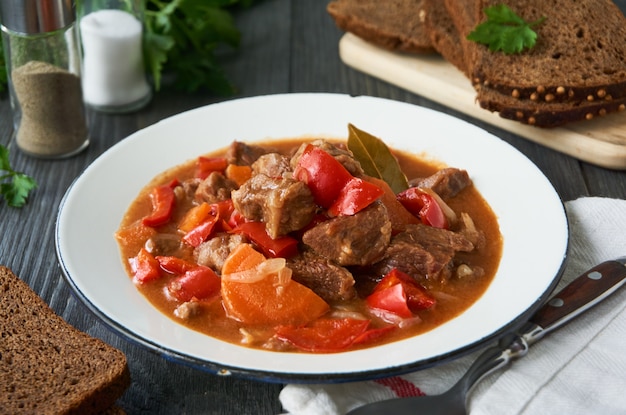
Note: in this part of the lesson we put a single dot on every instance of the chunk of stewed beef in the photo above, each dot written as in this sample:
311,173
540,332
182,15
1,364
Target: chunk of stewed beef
243,154
359,239
283,204
447,182
468,228
327,279
187,189
214,252
424,252
215,188
272,165
165,244
339,151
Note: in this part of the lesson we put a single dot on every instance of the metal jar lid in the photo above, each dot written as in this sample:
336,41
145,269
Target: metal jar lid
36,16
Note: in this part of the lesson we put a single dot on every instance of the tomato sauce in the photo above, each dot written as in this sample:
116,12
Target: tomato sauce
453,297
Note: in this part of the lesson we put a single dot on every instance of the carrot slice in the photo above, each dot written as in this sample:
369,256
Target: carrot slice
194,217
238,174
265,302
243,257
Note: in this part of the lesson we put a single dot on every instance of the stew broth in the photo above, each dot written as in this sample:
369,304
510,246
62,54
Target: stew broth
453,297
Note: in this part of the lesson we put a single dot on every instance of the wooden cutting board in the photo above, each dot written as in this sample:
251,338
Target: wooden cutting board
601,141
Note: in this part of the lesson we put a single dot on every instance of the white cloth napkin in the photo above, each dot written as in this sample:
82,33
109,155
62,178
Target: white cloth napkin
578,369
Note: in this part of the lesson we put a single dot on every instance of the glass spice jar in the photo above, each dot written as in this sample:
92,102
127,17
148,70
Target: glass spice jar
44,66
114,78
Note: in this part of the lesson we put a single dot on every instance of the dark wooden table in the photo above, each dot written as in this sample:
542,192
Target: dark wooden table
287,46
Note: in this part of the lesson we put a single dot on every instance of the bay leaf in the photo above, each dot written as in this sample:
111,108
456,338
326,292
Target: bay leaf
376,158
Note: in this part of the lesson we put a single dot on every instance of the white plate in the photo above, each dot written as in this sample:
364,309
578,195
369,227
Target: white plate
530,213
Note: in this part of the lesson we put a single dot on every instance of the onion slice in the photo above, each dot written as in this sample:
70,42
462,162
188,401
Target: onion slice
271,266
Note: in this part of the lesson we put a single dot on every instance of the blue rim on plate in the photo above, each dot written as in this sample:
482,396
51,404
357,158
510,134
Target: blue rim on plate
530,213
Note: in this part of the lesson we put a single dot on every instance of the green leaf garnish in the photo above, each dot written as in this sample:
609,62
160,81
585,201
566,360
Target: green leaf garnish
182,38
15,191
376,159
505,31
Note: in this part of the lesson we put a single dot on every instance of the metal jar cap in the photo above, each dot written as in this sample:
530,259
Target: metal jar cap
36,16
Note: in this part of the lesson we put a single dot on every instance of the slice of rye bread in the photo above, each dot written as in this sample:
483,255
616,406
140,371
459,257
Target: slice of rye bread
395,25
47,365
443,34
447,41
580,52
547,115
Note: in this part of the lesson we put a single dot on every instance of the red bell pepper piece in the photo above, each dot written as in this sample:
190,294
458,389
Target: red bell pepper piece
163,200
324,175
145,267
355,196
324,335
175,265
283,247
424,206
201,232
400,294
392,299
372,335
197,283
235,219
207,165
223,209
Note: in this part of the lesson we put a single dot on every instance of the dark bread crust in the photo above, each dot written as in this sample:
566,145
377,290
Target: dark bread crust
575,72
443,34
49,366
541,107
580,53
547,115
393,24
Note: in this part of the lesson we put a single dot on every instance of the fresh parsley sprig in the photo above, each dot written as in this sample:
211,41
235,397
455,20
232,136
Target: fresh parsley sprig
14,186
181,40
505,31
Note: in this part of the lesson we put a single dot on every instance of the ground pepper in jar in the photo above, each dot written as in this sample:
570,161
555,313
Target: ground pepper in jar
53,120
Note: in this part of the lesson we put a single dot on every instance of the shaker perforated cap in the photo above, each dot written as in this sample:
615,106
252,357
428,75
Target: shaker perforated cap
36,16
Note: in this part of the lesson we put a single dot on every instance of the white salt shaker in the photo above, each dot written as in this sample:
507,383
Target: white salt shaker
114,77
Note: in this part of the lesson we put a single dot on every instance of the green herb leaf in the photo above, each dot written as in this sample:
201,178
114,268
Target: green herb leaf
182,38
505,31
376,159
16,190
